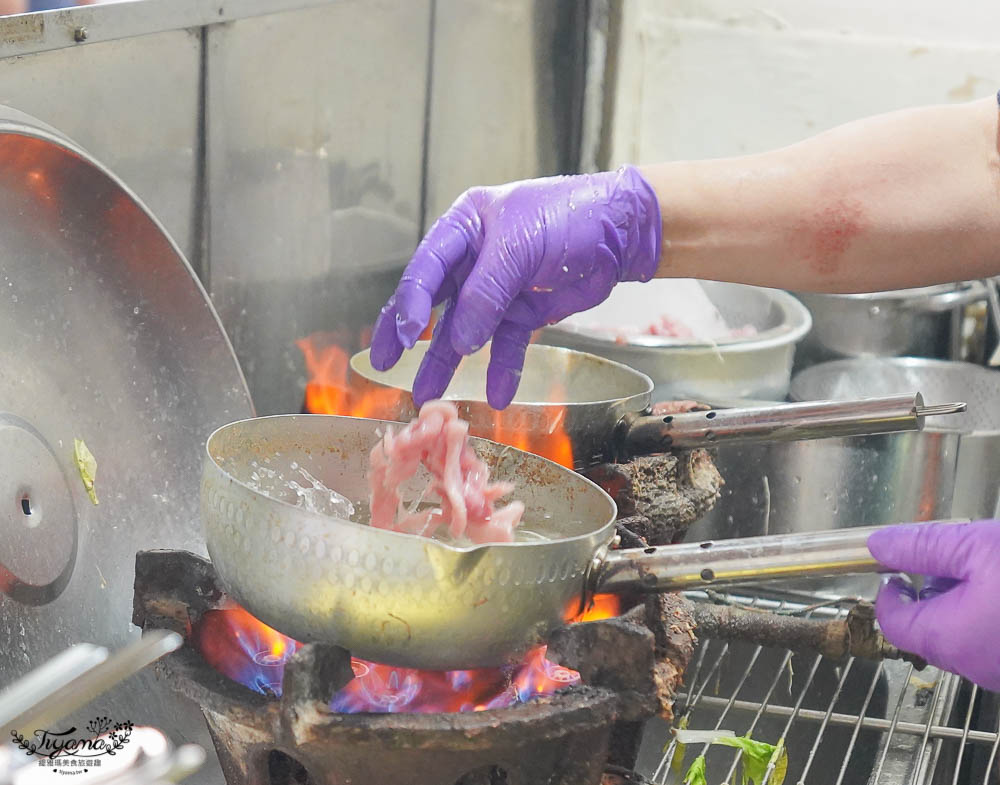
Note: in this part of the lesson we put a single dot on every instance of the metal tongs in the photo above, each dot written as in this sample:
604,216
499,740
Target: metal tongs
68,682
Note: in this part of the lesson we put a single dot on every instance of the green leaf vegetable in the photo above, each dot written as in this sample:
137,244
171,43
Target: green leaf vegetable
757,756
87,465
696,774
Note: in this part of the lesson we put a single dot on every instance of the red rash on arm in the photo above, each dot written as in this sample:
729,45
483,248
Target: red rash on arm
824,238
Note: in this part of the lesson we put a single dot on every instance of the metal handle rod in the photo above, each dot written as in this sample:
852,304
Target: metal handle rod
727,562
966,294
47,679
96,680
781,423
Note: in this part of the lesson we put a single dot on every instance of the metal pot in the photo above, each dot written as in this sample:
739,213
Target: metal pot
947,470
977,467
414,601
600,407
756,367
922,322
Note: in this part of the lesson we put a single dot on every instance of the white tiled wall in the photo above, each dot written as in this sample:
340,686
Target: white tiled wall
709,78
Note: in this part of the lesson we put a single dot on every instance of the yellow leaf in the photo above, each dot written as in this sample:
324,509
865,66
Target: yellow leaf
87,465
781,765
677,762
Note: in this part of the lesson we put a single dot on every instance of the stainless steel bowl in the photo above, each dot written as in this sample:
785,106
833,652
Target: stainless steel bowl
756,367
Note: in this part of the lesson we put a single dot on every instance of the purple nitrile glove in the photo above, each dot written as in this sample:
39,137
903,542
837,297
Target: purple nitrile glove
954,623
514,258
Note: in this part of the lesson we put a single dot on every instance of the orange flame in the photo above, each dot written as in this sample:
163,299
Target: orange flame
328,392
601,606
244,649
551,442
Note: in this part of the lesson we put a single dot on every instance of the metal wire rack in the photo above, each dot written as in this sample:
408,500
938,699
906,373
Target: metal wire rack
853,722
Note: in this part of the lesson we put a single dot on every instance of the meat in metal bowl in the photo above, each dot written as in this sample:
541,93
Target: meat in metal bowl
749,356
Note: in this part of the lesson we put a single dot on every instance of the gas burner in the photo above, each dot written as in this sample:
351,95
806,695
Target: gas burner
628,668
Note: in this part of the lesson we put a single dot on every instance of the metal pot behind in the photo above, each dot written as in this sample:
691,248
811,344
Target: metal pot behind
580,394
597,406
947,470
977,466
923,322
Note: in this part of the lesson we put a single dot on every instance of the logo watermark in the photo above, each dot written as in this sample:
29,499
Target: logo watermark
75,751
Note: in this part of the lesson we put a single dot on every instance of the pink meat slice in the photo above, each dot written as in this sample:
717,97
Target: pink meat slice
438,440
668,327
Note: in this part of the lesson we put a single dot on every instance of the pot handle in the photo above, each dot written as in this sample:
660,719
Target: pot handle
946,301
648,434
728,562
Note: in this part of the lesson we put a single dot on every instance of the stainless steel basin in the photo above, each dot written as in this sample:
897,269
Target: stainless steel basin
948,470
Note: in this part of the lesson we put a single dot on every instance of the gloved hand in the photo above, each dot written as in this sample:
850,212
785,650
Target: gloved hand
954,623
512,259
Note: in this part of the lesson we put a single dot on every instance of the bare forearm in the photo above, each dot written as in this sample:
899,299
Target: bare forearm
906,199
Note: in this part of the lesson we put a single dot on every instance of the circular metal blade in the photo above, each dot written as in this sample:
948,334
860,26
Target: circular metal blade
106,337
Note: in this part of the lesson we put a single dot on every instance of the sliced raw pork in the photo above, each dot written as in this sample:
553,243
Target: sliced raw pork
439,440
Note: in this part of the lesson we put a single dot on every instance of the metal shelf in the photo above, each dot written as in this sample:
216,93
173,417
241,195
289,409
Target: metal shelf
842,721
